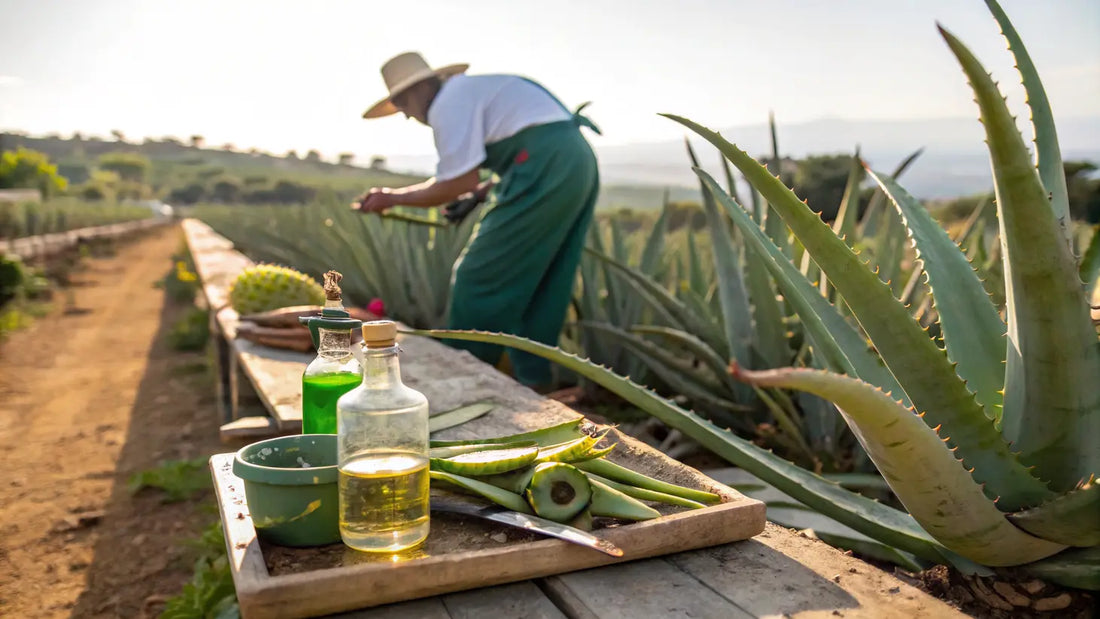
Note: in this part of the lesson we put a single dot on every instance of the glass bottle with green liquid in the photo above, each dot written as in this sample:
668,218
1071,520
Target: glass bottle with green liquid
335,370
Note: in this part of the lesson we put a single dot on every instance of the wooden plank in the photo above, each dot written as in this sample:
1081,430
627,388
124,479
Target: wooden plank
654,588
248,429
522,599
763,577
245,557
430,608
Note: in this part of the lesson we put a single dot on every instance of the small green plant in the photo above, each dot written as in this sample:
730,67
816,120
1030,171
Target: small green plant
191,332
210,594
179,479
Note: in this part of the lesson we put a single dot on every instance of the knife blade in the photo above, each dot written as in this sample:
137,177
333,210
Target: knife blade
525,521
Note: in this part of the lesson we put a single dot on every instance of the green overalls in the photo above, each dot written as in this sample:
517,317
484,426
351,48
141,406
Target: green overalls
517,274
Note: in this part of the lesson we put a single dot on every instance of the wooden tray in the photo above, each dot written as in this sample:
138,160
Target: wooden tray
461,552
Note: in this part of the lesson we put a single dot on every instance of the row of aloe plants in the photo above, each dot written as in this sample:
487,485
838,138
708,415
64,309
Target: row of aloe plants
991,443
406,265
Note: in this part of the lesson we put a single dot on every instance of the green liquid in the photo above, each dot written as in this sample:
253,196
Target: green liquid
319,396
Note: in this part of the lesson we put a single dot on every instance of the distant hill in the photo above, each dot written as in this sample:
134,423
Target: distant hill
954,161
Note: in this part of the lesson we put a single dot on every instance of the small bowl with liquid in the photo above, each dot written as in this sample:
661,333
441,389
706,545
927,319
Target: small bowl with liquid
290,483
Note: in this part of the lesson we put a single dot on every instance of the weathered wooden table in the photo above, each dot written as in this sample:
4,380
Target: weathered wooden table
777,573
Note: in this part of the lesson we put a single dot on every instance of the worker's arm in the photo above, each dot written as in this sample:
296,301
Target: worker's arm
426,194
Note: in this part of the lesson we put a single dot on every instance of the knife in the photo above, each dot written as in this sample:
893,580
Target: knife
524,521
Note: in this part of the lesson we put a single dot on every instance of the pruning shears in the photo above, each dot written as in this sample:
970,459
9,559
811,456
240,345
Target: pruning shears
454,213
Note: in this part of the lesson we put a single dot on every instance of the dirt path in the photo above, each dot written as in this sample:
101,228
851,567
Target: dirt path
87,399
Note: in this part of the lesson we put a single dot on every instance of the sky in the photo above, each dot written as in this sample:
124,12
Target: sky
279,75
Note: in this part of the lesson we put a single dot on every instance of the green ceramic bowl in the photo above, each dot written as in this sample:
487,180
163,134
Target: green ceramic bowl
290,483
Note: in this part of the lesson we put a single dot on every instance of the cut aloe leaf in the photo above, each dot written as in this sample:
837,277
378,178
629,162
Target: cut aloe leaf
610,503
559,433
458,416
489,462
594,454
567,452
621,474
449,452
558,491
646,495
582,521
499,496
512,481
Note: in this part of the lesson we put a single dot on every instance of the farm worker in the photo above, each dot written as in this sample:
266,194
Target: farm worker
517,273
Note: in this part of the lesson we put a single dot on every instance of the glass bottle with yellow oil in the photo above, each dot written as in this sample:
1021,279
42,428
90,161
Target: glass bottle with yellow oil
335,370
383,452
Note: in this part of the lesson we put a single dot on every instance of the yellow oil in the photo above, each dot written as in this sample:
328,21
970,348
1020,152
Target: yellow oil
384,501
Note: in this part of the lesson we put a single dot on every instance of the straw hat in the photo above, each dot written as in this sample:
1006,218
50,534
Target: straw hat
402,72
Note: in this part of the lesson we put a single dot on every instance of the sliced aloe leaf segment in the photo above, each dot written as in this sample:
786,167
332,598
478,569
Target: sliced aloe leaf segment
488,462
646,495
513,481
609,502
560,433
499,496
558,491
621,474
449,452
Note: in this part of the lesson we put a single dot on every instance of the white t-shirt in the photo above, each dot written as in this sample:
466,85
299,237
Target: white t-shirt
471,111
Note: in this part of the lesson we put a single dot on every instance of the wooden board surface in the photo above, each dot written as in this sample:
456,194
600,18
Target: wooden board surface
461,553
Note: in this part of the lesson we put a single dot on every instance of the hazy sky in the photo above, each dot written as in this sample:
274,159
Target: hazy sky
279,75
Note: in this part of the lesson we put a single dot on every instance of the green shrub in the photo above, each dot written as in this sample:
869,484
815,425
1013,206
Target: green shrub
190,332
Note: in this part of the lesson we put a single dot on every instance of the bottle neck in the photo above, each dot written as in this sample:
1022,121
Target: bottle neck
381,369
334,304
334,344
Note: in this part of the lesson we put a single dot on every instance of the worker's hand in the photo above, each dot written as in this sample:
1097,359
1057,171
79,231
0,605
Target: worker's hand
377,200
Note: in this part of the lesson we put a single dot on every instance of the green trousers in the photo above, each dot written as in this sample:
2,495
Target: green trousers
517,274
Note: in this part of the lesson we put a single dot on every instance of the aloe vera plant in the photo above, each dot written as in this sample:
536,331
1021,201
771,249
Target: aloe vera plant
406,264
991,443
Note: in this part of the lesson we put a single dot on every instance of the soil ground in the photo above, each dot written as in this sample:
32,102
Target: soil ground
89,396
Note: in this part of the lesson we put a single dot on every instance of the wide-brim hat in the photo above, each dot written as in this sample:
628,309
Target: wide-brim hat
403,72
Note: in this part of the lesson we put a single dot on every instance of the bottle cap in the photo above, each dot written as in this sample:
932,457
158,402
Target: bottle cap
379,333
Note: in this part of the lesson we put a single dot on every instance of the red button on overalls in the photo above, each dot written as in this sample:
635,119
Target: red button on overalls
522,156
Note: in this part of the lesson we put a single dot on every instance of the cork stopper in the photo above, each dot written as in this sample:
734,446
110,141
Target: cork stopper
379,333
332,285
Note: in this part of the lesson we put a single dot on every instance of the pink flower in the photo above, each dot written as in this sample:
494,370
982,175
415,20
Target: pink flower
377,307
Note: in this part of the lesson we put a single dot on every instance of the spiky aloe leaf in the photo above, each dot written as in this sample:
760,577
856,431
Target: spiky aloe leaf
868,224
1077,567
921,368
677,313
1090,263
972,330
848,215
770,339
733,300
694,345
1072,518
1052,395
869,517
1048,155
839,345
773,224
680,376
923,473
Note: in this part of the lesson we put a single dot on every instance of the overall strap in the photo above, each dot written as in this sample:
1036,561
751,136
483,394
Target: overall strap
578,119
